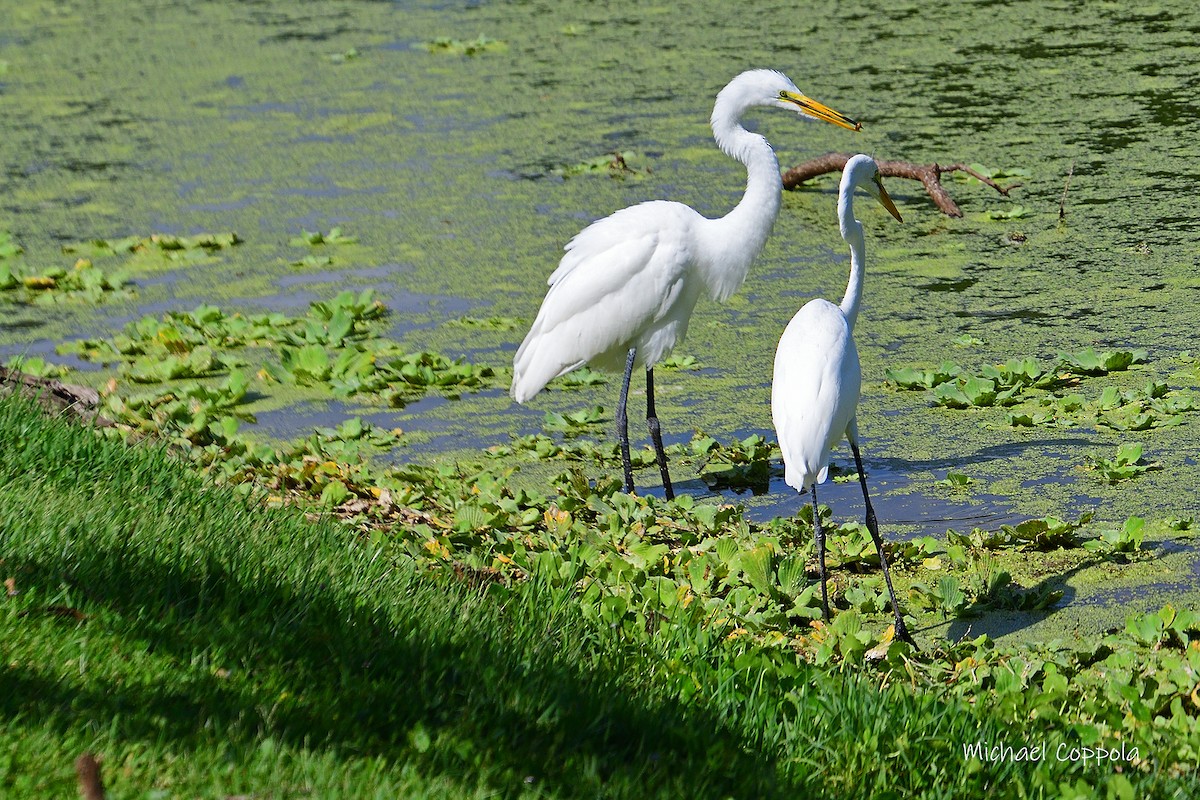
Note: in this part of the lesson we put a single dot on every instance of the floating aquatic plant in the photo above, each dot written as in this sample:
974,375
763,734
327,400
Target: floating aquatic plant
1125,539
83,282
955,481
316,238
679,362
493,323
614,165
9,247
36,365
164,246
1044,533
476,46
1125,465
575,421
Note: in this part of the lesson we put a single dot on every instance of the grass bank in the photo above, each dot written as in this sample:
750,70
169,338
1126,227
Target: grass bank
205,646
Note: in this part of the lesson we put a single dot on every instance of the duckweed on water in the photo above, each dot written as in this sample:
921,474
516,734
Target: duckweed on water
495,323
614,165
312,261
478,45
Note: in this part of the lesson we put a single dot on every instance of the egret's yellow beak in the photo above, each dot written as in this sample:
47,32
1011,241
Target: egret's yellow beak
819,111
886,201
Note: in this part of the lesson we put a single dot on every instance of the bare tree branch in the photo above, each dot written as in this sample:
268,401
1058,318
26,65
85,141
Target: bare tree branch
930,176
1062,204
56,396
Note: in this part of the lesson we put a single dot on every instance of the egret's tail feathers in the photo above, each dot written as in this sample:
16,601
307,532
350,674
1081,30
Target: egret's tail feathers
803,475
532,371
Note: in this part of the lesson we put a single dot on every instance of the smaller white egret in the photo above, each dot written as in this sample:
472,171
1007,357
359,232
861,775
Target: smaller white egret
625,290
814,394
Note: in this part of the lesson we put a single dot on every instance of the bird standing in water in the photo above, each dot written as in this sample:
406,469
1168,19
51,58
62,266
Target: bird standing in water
624,292
814,394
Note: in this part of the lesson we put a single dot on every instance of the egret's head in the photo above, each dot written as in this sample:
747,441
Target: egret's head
766,87
862,171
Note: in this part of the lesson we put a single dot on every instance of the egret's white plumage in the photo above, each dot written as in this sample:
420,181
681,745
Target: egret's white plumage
815,389
625,289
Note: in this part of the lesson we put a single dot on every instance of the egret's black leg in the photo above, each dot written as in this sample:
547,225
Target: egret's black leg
873,527
819,536
623,420
656,434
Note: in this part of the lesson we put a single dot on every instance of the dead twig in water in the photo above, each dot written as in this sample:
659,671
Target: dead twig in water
1062,204
930,176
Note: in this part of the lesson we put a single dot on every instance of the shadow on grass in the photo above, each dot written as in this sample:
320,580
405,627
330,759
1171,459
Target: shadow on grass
249,623
498,691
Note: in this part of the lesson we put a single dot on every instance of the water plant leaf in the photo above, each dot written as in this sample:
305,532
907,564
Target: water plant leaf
951,395
36,365
1125,465
305,365
316,238
792,575
1016,212
334,494
342,57
1126,539
955,480
9,247
949,594
912,378
1047,533
680,362
756,563
169,247
575,420
1089,362
581,377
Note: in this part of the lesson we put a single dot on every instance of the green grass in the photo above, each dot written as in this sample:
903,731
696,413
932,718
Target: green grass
205,646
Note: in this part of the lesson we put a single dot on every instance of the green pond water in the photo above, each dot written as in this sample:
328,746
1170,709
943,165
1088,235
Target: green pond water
269,118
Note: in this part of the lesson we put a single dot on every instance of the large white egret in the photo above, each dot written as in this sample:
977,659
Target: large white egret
814,394
624,292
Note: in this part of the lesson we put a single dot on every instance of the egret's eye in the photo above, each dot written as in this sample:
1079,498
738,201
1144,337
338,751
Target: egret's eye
783,95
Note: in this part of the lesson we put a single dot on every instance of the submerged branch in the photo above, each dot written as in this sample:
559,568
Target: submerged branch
930,176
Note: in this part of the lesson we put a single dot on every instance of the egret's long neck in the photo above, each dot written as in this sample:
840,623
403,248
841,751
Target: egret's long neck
756,213
852,232
737,238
